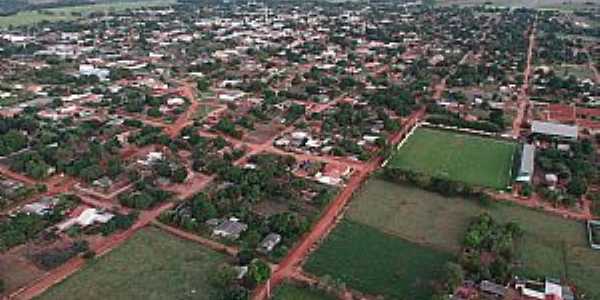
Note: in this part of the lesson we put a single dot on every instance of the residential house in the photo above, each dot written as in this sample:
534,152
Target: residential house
269,243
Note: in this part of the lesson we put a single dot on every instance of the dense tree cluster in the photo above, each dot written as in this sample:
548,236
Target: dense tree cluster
145,196
23,227
490,249
573,166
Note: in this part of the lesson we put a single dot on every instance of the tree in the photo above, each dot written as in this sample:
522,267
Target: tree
252,238
180,174
454,276
245,256
202,208
203,85
91,173
114,167
258,272
223,277
577,186
154,112
236,292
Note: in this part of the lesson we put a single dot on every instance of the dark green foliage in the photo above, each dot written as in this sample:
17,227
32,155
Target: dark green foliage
118,222
487,238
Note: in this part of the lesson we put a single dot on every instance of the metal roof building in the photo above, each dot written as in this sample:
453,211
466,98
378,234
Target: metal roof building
554,129
527,163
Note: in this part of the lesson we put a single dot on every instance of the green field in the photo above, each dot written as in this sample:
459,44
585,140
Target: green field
292,292
552,246
376,263
151,265
579,71
66,13
471,159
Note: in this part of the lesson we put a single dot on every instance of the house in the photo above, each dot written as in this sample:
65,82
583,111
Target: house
230,229
492,289
175,101
103,183
151,159
555,130
90,70
41,208
231,96
87,217
328,180
527,164
549,289
551,179
299,135
269,242
9,187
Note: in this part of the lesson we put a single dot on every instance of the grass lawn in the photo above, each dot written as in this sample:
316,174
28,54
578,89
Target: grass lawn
471,159
377,263
552,246
65,13
289,291
579,71
151,265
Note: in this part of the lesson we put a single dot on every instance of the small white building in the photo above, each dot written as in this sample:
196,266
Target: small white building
88,217
175,101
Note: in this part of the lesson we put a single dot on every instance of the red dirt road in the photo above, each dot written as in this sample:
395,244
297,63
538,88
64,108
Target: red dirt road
174,129
523,100
5,171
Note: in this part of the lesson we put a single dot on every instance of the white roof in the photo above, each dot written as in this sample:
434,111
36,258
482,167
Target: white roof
553,289
527,160
548,128
91,215
88,217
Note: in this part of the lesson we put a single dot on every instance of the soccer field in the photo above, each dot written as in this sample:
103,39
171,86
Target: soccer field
471,159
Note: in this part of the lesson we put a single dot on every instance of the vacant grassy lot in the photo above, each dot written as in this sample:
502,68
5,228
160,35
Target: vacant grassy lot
203,111
468,158
68,13
579,71
292,292
377,263
552,246
151,265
